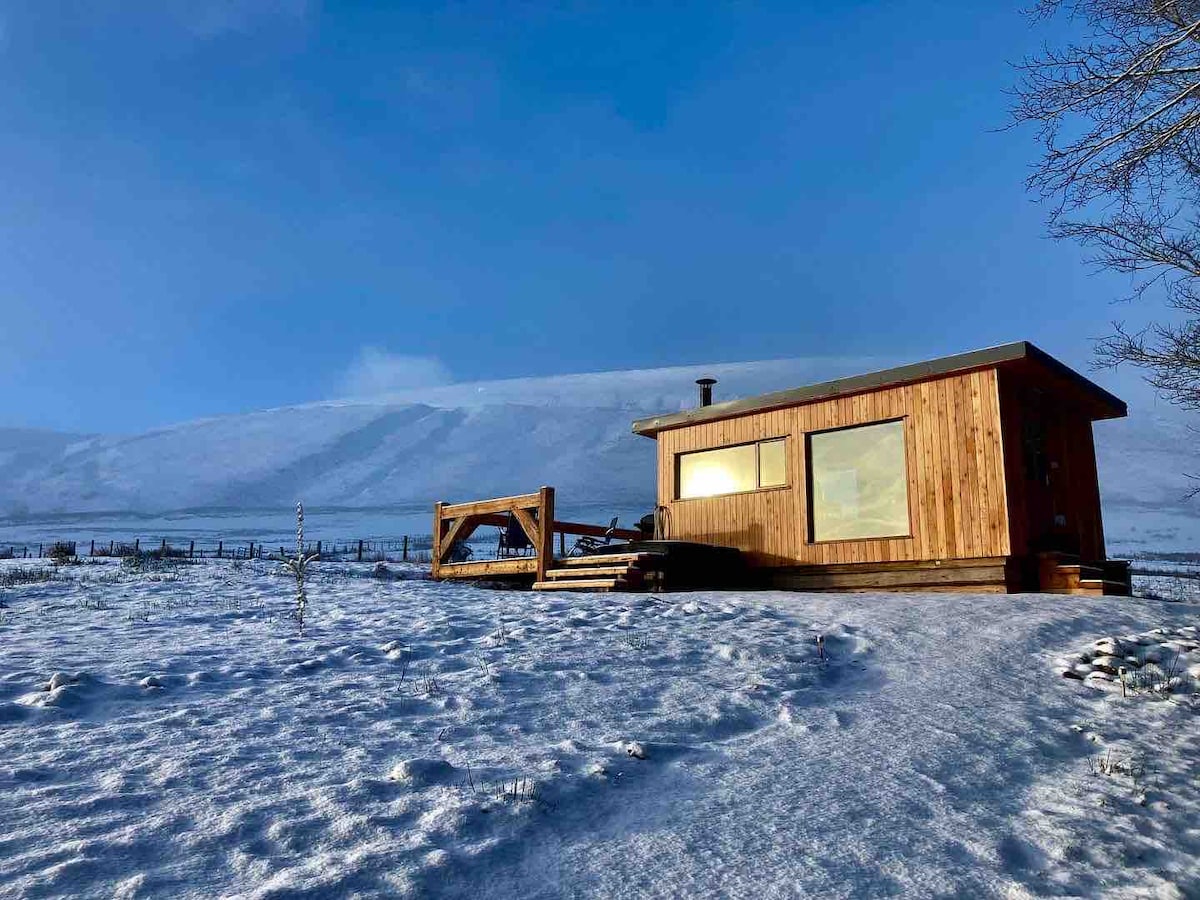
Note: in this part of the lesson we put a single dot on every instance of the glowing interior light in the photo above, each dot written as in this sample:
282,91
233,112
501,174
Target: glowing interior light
725,471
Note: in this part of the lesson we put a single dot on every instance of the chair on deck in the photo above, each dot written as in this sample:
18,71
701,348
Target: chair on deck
586,544
459,552
513,539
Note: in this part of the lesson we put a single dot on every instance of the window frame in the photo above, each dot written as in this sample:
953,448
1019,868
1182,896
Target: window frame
787,469
810,529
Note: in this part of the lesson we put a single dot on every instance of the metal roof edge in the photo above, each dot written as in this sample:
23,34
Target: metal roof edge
855,384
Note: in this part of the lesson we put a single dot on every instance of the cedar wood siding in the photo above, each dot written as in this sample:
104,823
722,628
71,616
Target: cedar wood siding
953,453
1069,443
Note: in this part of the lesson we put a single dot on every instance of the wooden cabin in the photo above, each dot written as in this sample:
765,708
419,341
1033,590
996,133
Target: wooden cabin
974,472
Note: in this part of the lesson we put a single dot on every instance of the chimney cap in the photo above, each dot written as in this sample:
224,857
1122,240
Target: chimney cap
706,381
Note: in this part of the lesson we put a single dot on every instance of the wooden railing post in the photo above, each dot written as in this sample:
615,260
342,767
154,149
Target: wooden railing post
437,539
545,550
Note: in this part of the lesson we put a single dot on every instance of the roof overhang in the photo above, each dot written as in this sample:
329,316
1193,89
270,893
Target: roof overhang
1098,403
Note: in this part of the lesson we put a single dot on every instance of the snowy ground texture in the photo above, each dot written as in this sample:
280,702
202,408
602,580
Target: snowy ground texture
168,734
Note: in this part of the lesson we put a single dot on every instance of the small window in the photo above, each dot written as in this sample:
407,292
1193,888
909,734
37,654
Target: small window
858,483
772,464
732,470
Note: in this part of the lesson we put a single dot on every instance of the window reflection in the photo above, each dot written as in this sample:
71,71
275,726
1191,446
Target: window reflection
772,464
712,472
731,470
859,487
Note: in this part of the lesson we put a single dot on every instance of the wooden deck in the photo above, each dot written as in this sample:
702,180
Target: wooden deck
454,523
636,564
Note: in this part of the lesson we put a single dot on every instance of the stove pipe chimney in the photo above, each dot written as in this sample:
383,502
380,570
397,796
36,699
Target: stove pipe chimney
706,390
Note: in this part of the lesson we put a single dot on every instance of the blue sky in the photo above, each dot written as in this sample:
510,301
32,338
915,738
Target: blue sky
211,207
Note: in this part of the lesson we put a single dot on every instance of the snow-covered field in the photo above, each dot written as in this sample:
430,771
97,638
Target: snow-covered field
425,739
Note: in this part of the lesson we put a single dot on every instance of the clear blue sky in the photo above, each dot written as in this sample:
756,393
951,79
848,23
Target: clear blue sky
211,207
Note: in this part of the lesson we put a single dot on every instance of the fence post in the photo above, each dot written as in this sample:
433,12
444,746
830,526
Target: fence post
93,553
545,550
39,551
111,547
163,549
562,543
220,548
404,552
137,546
252,549
360,549
192,550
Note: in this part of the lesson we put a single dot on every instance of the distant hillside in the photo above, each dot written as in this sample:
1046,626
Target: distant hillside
494,438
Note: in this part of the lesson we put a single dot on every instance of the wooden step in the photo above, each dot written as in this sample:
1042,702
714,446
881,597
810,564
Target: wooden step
605,559
1056,576
1091,587
1081,570
1105,586
588,571
580,584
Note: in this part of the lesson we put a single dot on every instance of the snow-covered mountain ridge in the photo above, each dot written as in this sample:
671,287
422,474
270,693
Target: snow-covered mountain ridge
493,438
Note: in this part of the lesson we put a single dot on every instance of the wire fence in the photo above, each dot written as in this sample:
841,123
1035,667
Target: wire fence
406,548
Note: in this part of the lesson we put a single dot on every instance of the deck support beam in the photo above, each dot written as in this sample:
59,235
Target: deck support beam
545,538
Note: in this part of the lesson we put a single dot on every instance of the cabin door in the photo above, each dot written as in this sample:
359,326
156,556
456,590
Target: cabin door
1047,488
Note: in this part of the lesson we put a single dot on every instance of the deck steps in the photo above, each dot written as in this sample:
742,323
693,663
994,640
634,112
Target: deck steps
1104,586
587,572
602,572
1064,574
581,584
604,559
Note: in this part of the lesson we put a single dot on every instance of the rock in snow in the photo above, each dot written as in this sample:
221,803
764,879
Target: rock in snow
57,680
422,772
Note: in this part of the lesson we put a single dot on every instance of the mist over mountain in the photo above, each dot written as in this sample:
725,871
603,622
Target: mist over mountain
494,438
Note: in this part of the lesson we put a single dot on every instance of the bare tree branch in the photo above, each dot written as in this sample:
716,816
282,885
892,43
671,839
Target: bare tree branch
1119,119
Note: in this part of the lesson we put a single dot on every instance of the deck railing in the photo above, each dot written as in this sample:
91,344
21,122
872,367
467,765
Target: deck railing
454,523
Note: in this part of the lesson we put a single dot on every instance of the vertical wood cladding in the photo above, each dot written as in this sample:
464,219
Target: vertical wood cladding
955,465
1050,466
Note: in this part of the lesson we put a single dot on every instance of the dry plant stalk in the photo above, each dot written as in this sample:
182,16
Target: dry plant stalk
298,566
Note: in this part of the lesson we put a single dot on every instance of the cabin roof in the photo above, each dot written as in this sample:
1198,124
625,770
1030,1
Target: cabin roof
1020,355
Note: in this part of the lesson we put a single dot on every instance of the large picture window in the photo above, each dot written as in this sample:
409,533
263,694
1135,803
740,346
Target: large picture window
858,486
732,470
